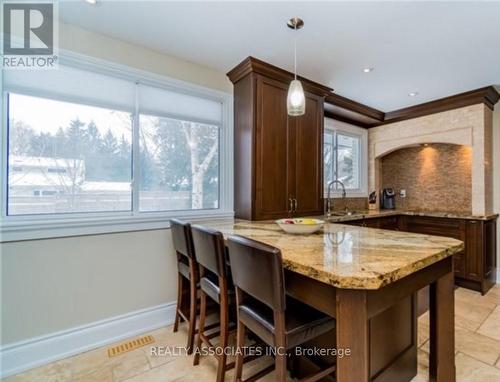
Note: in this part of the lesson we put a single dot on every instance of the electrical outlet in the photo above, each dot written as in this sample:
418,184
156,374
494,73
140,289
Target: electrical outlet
402,193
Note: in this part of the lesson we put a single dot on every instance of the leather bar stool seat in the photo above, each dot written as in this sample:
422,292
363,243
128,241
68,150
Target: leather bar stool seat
302,322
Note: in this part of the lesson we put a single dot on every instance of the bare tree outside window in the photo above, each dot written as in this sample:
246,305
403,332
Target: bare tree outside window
179,164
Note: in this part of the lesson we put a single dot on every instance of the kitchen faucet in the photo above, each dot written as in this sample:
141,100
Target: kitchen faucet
329,204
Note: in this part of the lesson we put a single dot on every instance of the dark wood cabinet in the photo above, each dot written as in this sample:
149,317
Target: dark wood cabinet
473,250
453,228
386,222
278,158
475,268
272,185
307,144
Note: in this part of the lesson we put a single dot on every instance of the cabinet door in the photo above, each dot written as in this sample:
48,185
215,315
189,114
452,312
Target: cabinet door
372,222
390,223
474,250
459,265
308,161
435,226
489,254
271,153
490,247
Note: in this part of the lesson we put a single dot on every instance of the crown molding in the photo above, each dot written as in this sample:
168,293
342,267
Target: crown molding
487,96
349,104
350,111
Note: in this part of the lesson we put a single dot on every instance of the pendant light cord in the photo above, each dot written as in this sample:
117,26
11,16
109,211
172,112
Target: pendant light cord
295,51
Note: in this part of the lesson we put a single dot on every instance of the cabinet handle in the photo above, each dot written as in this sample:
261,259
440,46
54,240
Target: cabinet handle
290,200
295,205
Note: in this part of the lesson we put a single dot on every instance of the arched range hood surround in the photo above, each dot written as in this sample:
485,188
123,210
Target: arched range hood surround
470,126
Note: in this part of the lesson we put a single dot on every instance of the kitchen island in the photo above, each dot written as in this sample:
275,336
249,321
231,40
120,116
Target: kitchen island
368,279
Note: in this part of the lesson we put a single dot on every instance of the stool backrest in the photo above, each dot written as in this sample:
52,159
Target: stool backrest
257,270
182,237
210,249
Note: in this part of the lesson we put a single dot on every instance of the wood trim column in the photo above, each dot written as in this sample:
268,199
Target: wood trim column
442,329
353,333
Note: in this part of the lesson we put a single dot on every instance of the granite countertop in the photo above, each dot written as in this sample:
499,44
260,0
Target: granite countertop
348,257
367,214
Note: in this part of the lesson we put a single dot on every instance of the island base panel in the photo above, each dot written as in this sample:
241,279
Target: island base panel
393,349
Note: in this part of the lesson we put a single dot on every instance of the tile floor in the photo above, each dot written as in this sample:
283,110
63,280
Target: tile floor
477,353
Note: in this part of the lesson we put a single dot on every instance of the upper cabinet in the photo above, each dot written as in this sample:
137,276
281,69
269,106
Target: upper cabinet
278,158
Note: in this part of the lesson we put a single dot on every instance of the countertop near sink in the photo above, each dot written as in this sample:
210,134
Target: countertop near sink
385,213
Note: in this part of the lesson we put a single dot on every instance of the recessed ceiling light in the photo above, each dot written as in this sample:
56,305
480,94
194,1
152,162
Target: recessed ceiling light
93,2
413,94
368,70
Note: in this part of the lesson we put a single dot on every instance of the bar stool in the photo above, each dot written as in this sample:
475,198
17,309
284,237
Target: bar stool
211,257
187,273
263,307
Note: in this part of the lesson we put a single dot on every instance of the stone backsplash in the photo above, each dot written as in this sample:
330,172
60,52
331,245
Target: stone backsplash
352,204
436,177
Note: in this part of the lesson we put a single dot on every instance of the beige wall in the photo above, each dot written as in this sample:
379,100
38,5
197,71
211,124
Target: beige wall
95,45
56,284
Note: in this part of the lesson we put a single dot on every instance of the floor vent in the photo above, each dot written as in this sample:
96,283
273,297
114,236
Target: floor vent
130,345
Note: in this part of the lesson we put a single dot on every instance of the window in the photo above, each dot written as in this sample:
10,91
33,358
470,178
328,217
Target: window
179,164
344,155
75,158
88,142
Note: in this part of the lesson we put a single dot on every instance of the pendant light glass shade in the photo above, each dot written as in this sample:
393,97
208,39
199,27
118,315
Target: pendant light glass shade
296,99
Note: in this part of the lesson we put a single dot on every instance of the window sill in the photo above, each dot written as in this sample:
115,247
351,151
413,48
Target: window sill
22,230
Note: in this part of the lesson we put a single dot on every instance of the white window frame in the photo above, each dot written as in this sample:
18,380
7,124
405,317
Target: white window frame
334,126
29,227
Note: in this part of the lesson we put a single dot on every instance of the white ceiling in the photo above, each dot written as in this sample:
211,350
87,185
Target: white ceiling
435,49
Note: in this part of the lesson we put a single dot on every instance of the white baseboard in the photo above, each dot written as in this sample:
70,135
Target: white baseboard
24,355
498,275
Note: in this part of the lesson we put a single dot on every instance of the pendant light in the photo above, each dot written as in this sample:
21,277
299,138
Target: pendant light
296,99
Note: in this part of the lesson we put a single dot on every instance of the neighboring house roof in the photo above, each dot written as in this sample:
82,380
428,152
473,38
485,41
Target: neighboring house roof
19,160
35,174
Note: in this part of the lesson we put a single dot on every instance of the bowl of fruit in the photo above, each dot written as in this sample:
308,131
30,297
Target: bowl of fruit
300,226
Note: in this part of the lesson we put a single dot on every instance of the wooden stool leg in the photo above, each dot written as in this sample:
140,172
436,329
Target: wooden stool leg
280,358
240,346
192,307
280,366
201,329
224,333
179,302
